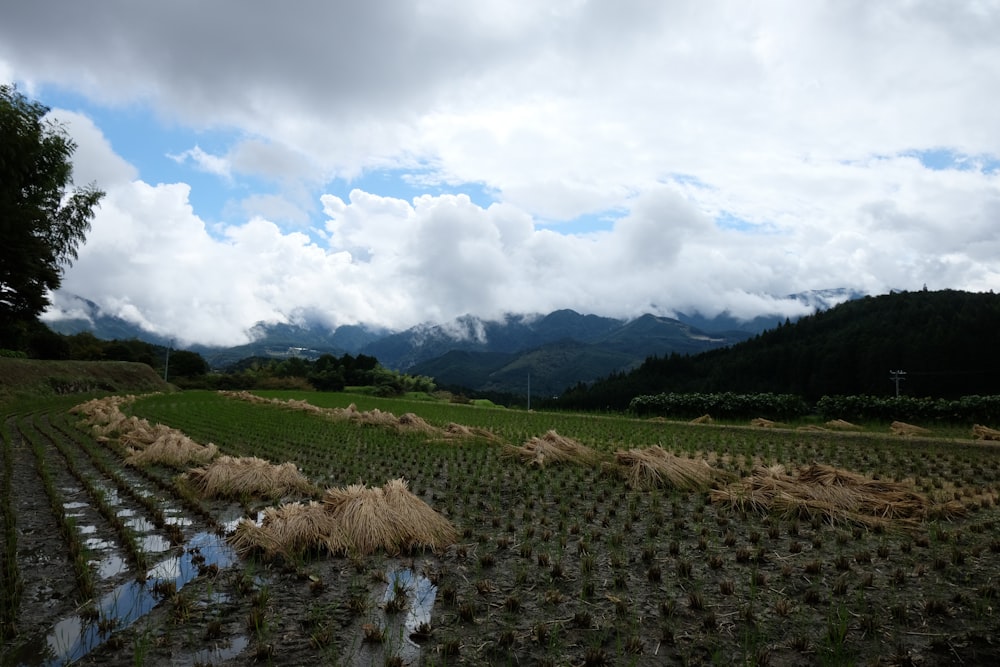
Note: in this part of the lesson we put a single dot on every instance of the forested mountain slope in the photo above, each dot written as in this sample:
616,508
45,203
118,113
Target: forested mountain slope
945,341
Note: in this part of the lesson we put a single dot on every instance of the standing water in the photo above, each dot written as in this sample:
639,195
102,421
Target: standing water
75,636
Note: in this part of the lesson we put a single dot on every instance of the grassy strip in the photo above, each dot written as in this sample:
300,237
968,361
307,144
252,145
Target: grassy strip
10,579
67,526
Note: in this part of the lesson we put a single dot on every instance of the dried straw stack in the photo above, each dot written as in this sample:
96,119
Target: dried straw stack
841,425
286,530
832,493
554,448
232,477
173,448
352,520
389,518
902,428
980,432
654,467
409,422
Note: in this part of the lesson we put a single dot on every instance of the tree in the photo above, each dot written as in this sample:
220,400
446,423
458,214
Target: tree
42,218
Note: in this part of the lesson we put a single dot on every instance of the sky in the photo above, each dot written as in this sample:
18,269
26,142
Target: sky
393,162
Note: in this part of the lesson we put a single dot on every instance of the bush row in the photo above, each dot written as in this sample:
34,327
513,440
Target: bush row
968,409
728,405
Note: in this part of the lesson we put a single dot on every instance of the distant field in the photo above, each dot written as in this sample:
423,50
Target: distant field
562,564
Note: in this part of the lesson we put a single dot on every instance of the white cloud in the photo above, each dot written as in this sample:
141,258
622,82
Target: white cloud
212,164
798,122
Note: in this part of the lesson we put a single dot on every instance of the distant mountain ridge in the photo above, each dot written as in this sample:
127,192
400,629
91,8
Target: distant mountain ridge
557,349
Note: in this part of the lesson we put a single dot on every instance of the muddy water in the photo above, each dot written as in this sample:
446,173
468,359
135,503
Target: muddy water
75,636
401,628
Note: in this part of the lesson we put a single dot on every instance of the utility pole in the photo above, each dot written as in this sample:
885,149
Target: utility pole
166,364
897,377
529,390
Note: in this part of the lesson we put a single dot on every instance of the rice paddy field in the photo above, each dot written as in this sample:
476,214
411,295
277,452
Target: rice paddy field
198,528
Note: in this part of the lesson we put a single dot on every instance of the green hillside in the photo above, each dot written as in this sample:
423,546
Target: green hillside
946,342
23,377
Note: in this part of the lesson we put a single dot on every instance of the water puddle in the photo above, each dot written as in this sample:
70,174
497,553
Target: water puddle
173,518
412,595
86,530
75,505
211,656
73,637
229,520
420,594
155,544
97,544
140,524
110,566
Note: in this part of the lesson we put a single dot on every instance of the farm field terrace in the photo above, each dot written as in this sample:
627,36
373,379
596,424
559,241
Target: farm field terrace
556,564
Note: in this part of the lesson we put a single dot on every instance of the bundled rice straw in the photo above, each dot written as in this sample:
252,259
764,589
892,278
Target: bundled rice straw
838,495
655,467
554,448
146,443
902,428
352,520
704,419
409,422
763,423
984,433
389,518
172,449
230,477
286,530
463,431
841,425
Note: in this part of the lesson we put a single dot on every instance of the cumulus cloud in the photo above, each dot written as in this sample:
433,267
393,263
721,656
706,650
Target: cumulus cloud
737,152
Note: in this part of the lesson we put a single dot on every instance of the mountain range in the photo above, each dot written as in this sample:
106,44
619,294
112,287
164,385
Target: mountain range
537,353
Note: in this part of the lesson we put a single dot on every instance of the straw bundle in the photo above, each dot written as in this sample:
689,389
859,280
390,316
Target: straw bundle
554,448
411,422
902,428
286,530
984,433
762,423
841,425
230,477
408,422
820,490
363,516
704,419
389,518
654,467
415,520
172,449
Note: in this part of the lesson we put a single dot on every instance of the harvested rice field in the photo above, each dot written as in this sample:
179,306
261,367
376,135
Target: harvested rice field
203,528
